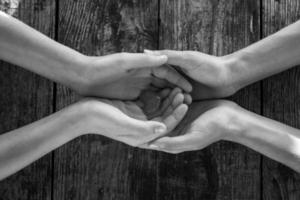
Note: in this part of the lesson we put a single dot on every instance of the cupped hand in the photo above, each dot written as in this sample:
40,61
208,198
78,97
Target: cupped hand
213,121
212,74
128,122
125,75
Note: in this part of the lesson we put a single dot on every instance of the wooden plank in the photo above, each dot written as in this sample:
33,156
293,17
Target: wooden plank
281,97
224,170
25,98
93,167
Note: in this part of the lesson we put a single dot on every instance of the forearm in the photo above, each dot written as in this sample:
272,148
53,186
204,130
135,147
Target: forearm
273,139
267,57
26,47
20,147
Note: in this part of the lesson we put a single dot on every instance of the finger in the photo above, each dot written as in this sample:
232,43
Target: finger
168,101
173,144
141,60
175,117
188,99
178,100
171,75
174,57
161,83
152,128
164,93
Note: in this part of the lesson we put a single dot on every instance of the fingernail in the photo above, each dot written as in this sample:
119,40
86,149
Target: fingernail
153,146
148,51
159,130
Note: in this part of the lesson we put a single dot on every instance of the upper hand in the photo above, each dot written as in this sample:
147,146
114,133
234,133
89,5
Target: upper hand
125,75
212,74
213,121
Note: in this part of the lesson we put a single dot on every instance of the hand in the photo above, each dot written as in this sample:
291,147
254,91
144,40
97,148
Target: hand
127,121
125,75
215,121
212,74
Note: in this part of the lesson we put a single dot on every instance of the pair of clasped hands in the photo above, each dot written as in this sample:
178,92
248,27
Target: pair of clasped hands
140,98
151,98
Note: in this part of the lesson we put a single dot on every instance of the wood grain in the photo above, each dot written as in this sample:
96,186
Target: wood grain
281,97
93,167
25,98
224,170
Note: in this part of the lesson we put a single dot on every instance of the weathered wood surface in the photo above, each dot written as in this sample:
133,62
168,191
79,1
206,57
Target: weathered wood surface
94,167
281,95
224,170
26,97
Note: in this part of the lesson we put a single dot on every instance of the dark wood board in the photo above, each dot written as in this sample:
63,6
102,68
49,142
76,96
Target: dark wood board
25,98
224,170
94,167
281,97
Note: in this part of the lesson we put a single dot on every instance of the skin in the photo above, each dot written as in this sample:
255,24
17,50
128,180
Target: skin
119,120
152,104
219,77
117,76
225,120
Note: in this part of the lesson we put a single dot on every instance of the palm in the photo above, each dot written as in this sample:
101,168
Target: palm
207,127
133,123
129,108
150,105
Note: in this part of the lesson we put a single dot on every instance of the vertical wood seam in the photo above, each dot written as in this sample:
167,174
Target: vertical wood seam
54,96
157,47
158,23
261,101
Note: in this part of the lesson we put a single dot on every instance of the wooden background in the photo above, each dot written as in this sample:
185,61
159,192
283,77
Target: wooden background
93,167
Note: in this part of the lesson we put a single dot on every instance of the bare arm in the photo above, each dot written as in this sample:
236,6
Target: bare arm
271,138
269,56
26,47
102,76
121,121
223,120
20,147
222,76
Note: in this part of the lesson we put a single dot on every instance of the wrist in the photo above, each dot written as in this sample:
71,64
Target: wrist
236,68
79,117
235,123
78,68
91,73
95,116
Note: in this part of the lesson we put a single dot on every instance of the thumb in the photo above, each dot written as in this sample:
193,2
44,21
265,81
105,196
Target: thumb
157,128
174,57
141,60
153,128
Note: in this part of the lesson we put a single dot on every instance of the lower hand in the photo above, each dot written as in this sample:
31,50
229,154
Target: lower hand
215,122
127,122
